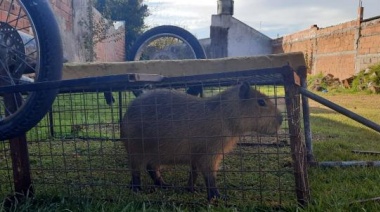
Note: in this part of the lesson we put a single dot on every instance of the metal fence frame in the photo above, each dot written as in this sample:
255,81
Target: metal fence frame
282,75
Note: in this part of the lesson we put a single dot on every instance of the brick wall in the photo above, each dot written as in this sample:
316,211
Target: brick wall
341,50
13,14
64,10
369,44
111,49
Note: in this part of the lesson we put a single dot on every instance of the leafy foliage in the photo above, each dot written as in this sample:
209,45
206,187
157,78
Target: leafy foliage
367,78
367,81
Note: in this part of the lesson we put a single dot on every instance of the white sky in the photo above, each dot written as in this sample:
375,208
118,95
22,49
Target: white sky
271,17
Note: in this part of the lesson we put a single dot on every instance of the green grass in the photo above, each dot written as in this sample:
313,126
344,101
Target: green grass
73,174
334,138
99,170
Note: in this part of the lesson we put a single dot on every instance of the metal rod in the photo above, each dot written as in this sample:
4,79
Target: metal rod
366,152
347,164
302,72
341,110
267,76
51,122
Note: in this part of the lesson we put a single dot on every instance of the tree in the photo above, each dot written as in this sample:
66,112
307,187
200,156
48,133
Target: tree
131,12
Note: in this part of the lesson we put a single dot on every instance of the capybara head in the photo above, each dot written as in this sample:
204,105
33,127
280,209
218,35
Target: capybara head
250,110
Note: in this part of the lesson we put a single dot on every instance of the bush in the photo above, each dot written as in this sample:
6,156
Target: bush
368,80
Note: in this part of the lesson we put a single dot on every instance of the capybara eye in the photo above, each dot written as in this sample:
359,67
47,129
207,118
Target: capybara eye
261,102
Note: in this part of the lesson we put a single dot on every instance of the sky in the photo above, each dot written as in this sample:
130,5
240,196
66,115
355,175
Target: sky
274,18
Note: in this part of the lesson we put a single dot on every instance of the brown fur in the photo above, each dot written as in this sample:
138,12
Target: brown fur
164,127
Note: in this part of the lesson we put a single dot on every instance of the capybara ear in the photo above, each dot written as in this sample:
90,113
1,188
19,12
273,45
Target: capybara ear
245,91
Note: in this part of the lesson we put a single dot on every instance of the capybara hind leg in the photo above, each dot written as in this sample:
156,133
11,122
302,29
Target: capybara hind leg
136,181
155,174
192,178
135,173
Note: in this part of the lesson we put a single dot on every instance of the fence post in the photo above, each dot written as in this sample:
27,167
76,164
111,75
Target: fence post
292,97
21,166
19,152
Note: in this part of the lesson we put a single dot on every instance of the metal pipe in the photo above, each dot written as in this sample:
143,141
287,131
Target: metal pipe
341,110
302,73
326,164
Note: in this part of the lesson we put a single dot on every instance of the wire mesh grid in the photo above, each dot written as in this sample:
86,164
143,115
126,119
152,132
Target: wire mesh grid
76,150
6,180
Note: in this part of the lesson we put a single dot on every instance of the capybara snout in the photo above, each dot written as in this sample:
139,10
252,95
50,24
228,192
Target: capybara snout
164,127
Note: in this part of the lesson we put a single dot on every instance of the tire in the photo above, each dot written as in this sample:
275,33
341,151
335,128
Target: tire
166,31
174,32
39,31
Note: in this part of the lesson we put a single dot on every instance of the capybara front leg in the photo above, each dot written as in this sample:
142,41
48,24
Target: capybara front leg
155,174
192,178
212,191
136,181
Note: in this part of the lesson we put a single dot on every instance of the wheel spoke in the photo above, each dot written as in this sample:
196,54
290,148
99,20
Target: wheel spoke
13,58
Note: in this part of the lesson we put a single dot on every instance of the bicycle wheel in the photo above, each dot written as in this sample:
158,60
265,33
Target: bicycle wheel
30,51
166,42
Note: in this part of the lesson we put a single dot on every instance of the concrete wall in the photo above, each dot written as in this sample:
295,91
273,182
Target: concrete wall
233,38
341,50
69,15
243,40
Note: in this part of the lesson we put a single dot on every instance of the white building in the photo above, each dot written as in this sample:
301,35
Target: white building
230,37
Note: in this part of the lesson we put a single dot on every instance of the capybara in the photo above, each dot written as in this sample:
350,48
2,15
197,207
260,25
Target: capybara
167,127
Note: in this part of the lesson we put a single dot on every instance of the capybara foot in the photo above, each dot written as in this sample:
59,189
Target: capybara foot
192,189
213,194
164,185
135,188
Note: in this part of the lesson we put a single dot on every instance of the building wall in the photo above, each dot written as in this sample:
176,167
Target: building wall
111,49
341,50
233,38
246,41
69,14
369,44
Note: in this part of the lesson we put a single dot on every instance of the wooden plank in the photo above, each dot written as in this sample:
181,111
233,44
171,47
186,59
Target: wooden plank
170,68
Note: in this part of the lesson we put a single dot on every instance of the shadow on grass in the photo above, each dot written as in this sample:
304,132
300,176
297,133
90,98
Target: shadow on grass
338,189
319,110
335,136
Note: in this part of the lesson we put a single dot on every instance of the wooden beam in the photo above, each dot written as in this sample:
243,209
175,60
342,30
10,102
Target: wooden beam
170,68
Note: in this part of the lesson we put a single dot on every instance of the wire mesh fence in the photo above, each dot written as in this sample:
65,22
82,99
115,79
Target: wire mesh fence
77,149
